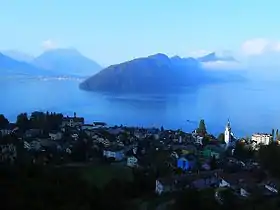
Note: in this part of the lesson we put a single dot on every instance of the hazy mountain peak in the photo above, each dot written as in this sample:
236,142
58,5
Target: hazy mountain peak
67,61
17,55
214,57
159,56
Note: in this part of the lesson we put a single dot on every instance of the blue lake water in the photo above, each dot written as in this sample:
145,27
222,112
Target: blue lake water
251,106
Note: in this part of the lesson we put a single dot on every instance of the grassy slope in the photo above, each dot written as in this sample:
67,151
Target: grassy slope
102,174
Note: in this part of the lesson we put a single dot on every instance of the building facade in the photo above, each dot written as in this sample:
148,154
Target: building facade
261,138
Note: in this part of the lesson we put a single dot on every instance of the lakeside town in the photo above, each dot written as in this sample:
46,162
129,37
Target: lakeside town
178,160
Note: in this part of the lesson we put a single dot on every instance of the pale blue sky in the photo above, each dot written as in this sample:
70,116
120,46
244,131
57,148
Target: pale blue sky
112,31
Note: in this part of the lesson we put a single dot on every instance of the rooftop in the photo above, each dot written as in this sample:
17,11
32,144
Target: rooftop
261,134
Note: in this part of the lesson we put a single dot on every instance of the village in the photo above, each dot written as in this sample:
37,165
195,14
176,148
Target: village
181,160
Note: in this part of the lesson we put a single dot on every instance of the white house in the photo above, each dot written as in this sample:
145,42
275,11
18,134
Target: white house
55,135
132,161
102,140
114,152
159,187
198,140
272,186
261,138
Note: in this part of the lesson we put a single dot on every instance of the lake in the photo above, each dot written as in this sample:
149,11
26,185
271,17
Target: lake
253,106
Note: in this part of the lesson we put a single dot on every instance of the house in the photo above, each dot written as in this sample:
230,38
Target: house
73,121
8,152
164,185
243,183
206,166
114,152
5,131
179,182
55,135
186,162
132,161
183,163
75,136
102,140
33,145
26,145
272,185
261,138
197,139
8,129
31,133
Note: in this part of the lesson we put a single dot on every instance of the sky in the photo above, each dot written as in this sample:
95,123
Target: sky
113,31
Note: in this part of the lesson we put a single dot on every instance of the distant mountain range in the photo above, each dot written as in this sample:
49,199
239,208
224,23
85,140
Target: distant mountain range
19,56
152,74
10,66
156,73
58,62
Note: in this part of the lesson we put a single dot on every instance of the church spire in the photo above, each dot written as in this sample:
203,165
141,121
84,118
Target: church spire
228,123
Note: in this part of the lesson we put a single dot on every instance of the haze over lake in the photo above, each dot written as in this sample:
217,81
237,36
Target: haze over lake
249,105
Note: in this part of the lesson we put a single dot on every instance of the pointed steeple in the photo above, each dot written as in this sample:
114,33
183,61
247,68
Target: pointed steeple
228,123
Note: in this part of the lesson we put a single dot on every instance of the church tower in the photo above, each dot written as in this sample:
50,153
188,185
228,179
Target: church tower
228,134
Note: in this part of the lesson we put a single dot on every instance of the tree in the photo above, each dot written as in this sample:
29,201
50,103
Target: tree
22,121
277,135
243,152
202,128
213,163
206,140
189,197
38,120
221,138
202,199
272,133
267,155
4,122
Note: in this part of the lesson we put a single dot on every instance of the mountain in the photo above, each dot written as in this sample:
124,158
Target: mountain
152,74
11,67
67,62
19,56
213,57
